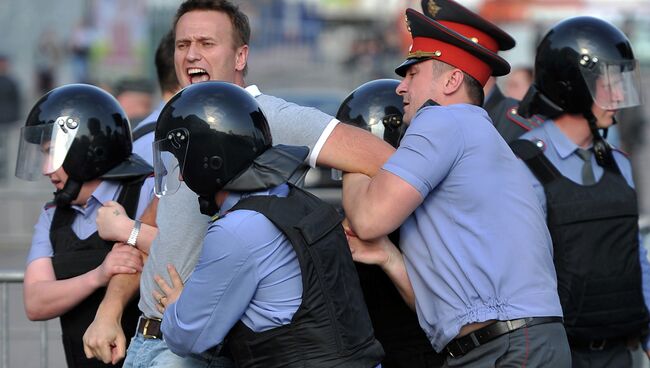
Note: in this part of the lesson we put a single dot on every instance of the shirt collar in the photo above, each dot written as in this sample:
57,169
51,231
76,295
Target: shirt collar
233,197
560,142
253,90
105,191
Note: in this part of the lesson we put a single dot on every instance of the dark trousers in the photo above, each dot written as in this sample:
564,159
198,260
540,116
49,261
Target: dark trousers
542,345
619,356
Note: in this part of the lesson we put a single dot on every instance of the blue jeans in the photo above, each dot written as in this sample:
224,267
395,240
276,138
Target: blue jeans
149,353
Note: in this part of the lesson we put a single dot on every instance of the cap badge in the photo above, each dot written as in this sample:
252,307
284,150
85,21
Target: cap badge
474,39
420,54
433,8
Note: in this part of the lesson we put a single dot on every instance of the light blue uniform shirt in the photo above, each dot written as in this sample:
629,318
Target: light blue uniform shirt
247,271
560,150
143,146
84,224
477,248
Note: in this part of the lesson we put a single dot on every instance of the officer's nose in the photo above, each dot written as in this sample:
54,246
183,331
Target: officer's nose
401,87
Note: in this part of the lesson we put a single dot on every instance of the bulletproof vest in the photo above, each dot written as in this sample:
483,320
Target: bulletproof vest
331,328
596,250
74,257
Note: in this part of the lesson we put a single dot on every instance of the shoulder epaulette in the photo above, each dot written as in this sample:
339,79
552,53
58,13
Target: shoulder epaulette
513,115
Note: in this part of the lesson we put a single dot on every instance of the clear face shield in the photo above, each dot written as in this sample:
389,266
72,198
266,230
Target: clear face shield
43,148
613,85
168,169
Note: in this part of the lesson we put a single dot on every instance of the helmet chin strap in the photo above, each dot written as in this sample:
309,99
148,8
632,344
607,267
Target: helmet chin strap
601,148
68,194
208,205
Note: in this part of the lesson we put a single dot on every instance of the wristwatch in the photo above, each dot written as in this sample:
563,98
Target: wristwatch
134,233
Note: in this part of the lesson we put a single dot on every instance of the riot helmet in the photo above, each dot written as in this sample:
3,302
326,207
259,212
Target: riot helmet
83,129
375,107
207,135
582,61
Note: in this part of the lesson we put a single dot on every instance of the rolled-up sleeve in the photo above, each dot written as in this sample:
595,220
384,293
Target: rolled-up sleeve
431,146
41,245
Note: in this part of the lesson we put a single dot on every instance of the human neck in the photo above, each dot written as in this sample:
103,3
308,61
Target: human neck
488,86
576,128
220,197
87,189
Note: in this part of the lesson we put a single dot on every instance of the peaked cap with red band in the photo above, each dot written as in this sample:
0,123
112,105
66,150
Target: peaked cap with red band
432,40
452,15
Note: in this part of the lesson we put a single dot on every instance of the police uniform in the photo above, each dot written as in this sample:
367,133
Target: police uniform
504,112
461,243
590,292
89,138
585,66
275,278
69,236
375,106
502,109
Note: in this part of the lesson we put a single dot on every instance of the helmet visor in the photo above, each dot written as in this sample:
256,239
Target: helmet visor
168,159
614,85
43,148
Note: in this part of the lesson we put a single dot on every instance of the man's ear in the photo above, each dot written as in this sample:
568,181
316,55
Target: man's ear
241,58
454,82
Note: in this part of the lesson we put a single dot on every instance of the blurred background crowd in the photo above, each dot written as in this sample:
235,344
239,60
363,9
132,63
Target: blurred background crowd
312,52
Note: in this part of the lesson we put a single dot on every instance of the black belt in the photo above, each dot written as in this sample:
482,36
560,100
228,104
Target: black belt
602,344
465,344
150,328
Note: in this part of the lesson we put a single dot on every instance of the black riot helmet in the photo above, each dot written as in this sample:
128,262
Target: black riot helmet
376,107
582,61
83,129
208,135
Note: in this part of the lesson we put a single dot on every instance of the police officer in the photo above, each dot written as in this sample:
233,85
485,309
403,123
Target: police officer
275,278
376,107
585,71
476,259
502,109
79,137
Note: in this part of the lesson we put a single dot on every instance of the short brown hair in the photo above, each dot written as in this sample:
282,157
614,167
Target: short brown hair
473,87
164,60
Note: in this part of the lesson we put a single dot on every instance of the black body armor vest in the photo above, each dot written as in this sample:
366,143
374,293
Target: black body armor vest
74,257
596,249
331,328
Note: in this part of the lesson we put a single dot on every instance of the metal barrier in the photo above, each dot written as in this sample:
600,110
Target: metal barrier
6,278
